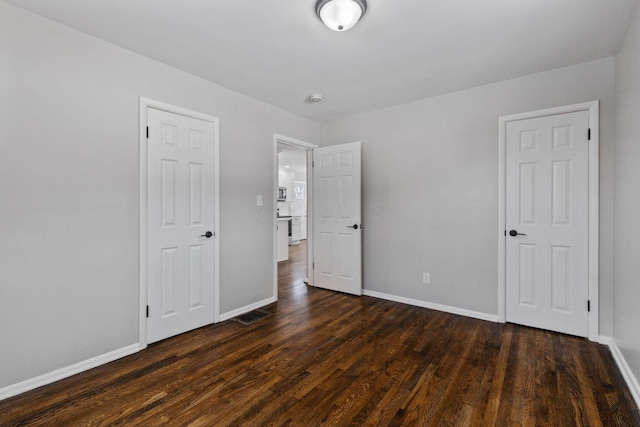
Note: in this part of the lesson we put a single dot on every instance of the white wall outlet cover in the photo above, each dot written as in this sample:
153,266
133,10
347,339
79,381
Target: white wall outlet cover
259,200
426,278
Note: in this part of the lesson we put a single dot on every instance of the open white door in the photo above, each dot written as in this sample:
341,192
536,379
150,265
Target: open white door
337,228
181,224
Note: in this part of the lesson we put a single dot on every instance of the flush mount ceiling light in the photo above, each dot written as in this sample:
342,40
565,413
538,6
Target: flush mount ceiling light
340,15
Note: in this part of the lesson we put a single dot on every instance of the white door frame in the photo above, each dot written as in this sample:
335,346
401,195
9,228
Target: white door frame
146,103
309,147
593,109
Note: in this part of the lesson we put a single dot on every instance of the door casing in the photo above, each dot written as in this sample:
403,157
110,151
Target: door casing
144,104
593,108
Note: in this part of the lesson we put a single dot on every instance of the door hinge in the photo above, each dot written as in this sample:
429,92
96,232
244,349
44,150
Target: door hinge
313,265
588,305
147,132
147,311
589,134
505,232
313,163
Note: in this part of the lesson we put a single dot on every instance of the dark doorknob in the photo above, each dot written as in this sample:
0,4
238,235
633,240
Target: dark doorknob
208,234
354,226
514,233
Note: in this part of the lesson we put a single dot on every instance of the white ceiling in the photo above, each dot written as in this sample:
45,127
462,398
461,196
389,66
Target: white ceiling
279,52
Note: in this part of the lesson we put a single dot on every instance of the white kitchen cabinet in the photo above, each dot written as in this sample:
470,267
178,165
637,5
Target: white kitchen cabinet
282,239
289,185
296,232
303,227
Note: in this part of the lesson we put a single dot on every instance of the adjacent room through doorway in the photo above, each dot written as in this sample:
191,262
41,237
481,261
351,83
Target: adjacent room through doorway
291,212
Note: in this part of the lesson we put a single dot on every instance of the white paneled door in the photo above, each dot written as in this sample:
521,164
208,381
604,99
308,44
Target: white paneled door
547,196
337,226
181,219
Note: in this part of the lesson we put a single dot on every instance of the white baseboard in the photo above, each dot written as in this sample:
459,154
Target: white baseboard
604,340
432,306
68,371
247,308
85,365
632,381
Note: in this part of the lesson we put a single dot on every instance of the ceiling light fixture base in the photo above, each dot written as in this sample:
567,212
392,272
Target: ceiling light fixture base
340,15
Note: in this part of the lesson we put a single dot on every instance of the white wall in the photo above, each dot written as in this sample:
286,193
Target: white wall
430,181
69,190
626,231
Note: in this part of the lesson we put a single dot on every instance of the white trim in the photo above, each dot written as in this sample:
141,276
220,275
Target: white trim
146,103
247,308
594,220
432,306
627,373
310,214
292,141
305,146
59,374
593,107
605,340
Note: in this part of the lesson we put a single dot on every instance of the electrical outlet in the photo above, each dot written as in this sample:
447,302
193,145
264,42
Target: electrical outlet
426,278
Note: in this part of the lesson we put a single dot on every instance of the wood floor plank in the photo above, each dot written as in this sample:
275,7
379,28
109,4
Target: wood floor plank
324,358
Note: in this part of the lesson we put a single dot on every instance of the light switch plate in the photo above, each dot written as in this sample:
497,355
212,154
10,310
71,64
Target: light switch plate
259,200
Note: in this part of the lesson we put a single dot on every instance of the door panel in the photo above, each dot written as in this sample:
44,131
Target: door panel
338,245
547,202
527,267
181,195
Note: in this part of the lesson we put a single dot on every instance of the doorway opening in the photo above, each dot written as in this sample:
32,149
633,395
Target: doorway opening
293,247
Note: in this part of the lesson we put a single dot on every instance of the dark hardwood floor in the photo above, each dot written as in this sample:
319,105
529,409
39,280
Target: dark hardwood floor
325,358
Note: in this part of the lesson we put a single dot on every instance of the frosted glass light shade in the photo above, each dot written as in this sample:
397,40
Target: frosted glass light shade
340,15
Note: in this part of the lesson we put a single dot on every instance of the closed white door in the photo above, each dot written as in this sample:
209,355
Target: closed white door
181,218
547,222
337,226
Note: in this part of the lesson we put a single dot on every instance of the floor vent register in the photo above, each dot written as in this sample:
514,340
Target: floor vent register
251,317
